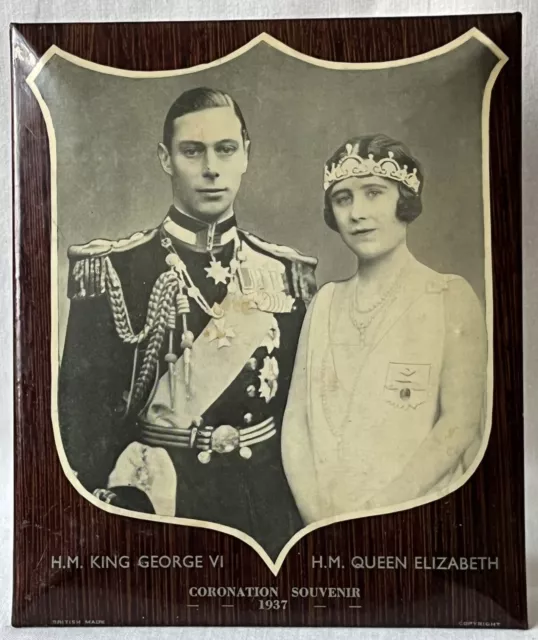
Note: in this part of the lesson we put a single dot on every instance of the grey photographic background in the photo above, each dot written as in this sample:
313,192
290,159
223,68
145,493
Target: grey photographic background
110,183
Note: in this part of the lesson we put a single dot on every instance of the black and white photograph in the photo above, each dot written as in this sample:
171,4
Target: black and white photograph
271,285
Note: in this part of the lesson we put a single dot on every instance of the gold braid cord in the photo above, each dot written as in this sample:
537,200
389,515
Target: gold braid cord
120,314
151,354
161,303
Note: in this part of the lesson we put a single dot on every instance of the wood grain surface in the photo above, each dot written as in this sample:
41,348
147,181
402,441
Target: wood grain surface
483,518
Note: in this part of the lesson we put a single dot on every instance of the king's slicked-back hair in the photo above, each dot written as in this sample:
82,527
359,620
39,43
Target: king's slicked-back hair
409,205
200,99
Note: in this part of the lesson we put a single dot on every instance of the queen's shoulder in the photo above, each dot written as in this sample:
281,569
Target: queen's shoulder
459,292
455,289
325,293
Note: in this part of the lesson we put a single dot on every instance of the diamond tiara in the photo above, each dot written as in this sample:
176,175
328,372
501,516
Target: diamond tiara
353,165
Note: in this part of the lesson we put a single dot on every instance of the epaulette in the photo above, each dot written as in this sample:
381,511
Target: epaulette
280,250
90,263
99,248
303,267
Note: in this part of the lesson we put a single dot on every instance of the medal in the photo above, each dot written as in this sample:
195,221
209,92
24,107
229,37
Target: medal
218,272
220,332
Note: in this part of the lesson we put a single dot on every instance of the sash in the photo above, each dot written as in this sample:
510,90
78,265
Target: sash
213,368
217,357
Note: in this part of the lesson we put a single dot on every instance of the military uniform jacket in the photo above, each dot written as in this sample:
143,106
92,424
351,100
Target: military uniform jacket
144,345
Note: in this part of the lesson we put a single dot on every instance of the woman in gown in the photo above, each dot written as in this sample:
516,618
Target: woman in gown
387,397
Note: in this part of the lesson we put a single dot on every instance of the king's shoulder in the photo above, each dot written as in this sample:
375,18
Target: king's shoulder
280,251
102,247
92,265
299,268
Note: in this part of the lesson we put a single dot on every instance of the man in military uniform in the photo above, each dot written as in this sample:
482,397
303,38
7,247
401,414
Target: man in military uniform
181,342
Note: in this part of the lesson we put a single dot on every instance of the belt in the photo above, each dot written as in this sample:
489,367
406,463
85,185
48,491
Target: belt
222,439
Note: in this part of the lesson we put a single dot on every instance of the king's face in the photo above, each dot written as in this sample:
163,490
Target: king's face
365,213
206,160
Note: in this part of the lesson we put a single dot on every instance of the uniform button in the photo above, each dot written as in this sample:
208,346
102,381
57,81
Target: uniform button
251,391
405,394
204,457
245,452
248,418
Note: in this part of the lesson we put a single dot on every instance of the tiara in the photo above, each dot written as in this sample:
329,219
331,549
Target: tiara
352,165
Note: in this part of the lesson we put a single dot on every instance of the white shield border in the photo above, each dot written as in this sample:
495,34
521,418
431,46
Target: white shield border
29,59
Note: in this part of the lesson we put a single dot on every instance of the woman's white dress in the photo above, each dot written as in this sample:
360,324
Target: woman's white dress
357,413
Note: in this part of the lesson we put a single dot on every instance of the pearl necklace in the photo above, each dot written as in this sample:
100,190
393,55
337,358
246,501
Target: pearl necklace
374,310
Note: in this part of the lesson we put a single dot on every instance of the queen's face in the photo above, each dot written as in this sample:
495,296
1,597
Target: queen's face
365,212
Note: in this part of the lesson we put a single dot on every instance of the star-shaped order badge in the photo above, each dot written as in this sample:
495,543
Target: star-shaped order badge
272,340
217,271
217,330
269,378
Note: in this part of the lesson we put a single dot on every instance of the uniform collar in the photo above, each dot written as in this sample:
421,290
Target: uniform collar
200,235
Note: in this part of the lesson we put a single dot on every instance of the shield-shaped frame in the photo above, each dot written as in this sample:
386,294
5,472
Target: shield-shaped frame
473,55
